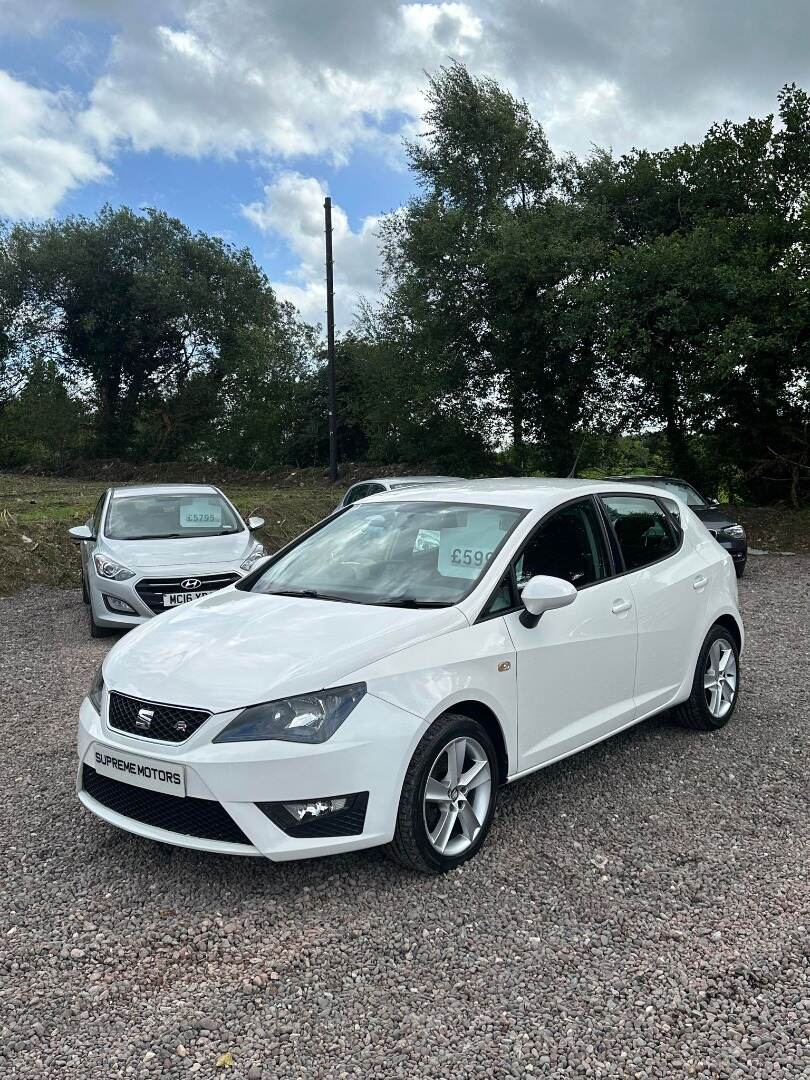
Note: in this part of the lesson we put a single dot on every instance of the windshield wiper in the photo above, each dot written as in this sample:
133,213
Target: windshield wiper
411,602
311,594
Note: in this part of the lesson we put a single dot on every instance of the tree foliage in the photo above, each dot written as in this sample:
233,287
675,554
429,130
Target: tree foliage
649,310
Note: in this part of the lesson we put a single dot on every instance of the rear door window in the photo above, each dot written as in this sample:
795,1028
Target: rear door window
644,532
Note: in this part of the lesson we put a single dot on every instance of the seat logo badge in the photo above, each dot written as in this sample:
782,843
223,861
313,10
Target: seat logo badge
145,717
181,727
191,583
504,665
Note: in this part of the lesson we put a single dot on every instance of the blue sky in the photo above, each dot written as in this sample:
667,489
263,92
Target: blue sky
239,116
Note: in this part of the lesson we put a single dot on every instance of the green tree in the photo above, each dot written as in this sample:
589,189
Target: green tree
137,305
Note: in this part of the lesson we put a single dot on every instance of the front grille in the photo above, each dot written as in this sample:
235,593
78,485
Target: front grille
346,822
167,722
151,590
203,818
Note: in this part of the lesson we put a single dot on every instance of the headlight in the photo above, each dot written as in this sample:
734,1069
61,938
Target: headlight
256,553
310,718
95,691
111,570
733,532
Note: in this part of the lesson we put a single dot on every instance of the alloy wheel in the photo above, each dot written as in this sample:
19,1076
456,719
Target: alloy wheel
457,797
720,678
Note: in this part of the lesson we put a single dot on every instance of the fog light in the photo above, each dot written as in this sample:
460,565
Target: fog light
331,815
114,604
315,808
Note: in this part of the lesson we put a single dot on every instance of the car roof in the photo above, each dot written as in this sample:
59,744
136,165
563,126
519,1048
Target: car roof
397,481
639,478
527,493
163,489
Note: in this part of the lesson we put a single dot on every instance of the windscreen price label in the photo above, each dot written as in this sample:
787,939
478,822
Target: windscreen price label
469,557
200,514
464,552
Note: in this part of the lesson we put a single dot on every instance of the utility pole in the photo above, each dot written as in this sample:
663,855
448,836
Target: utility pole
330,342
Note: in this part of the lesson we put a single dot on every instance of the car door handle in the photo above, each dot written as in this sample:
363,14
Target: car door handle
620,606
700,582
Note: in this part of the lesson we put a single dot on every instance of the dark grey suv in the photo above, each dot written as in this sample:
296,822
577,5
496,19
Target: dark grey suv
728,532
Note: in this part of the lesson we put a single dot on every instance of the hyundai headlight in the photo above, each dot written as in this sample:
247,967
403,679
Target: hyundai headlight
95,691
111,570
733,532
256,552
309,718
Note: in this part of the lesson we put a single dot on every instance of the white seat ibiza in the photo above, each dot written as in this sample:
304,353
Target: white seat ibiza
379,679
149,548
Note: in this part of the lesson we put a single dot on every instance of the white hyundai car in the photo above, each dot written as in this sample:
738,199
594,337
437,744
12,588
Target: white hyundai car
380,678
148,549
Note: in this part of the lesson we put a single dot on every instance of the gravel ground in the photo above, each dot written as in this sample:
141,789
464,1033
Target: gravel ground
639,911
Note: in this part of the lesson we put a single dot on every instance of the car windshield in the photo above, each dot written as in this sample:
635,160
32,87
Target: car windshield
405,554
685,492
169,517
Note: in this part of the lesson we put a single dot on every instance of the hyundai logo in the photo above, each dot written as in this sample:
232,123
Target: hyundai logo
191,583
144,721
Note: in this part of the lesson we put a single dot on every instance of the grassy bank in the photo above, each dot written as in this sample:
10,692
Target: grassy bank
37,511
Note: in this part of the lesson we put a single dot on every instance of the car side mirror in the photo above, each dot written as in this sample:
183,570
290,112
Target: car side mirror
255,523
714,504
80,532
541,594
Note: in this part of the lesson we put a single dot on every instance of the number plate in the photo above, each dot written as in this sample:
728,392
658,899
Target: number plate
173,599
138,771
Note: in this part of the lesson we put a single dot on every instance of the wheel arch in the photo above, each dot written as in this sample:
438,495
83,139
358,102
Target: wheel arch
477,710
732,625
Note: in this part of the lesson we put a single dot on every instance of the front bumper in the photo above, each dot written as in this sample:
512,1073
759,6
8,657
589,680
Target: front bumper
99,587
737,549
369,753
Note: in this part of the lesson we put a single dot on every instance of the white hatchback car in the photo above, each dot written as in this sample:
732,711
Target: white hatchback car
150,548
376,681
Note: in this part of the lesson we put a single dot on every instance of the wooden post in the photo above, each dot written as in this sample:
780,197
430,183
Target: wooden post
330,343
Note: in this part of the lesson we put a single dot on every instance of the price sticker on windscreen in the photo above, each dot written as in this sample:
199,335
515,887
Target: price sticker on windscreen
201,514
465,552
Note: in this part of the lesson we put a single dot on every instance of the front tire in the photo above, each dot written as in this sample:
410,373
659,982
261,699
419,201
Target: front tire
85,593
97,631
716,685
739,569
448,797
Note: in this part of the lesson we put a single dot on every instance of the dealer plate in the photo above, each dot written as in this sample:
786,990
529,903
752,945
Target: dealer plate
174,599
138,771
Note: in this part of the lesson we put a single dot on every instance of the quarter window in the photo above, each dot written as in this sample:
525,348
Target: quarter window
642,528
359,491
97,515
569,545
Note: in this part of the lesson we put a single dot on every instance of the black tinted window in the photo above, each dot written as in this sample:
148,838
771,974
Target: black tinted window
642,529
569,545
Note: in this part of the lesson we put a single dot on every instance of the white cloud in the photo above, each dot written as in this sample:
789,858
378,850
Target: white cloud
280,80
292,208
42,157
276,79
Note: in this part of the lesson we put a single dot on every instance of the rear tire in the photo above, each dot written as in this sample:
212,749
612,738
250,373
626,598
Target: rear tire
739,569
441,826
716,683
